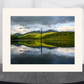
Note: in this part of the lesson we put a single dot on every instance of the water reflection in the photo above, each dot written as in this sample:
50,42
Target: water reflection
60,51
37,51
27,53
25,49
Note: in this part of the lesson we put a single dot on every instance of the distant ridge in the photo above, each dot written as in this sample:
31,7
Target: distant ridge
40,31
17,34
33,32
49,31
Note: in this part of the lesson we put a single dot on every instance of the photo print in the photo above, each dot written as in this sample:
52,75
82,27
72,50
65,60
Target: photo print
42,39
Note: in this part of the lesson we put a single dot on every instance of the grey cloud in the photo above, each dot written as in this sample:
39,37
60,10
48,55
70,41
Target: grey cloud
42,20
28,26
20,28
34,26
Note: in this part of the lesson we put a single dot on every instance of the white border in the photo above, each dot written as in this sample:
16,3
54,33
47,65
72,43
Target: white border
77,67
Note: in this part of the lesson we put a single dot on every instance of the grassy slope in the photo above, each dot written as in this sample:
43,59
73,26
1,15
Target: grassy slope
50,36
59,36
30,35
34,35
44,34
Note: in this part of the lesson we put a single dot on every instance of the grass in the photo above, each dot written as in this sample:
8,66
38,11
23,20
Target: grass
61,36
47,36
44,34
30,35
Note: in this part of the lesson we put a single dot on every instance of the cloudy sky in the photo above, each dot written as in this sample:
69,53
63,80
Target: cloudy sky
24,24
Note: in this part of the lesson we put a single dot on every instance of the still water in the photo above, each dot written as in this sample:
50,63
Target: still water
28,53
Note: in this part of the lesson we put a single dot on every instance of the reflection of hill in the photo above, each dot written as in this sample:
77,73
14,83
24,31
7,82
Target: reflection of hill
33,43
59,43
45,43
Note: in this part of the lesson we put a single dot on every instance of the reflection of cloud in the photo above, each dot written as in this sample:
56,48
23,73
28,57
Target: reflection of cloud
60,51
65,50
41,59
36,51
24,49
66,28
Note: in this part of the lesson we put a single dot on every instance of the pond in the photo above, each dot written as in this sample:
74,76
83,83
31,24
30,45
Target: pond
47,52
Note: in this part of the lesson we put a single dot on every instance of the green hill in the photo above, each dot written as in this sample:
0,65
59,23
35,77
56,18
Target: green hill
47,36
30,36
58,36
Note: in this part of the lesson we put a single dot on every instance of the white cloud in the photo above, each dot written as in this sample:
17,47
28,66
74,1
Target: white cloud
66,28
23,29
19,29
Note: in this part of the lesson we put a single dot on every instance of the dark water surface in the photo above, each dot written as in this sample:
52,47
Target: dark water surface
29,52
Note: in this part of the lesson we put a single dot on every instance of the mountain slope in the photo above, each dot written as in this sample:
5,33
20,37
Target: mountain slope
49,36
18,34
30,36
58,36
